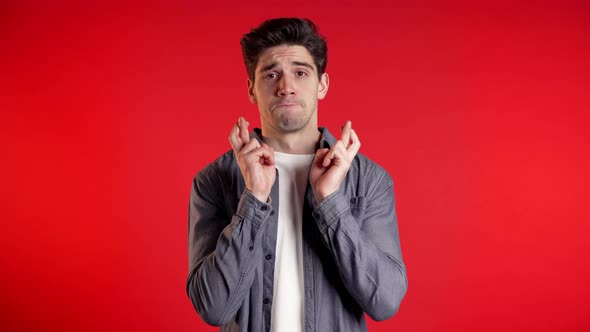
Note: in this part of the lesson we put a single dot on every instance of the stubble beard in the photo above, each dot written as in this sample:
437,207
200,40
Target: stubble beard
289,123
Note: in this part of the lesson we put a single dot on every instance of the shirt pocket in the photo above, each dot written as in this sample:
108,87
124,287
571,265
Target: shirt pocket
357,206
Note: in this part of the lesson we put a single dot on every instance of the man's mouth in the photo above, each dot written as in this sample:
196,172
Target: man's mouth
286,105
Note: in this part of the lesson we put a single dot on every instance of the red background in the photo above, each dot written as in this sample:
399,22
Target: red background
479,112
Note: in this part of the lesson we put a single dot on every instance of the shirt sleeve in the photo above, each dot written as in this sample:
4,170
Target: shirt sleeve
365,247
222,248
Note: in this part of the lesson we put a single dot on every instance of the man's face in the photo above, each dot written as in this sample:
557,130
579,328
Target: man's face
286,88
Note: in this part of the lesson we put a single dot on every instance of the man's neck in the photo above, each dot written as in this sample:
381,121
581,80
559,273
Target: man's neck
299,142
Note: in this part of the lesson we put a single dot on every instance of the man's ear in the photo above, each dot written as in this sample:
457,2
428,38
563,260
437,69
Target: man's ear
251,94
323,86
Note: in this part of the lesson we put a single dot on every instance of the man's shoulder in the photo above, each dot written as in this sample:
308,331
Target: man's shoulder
370,172
223,165
367,165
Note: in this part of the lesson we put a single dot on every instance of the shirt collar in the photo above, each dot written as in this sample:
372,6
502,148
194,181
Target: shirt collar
326,138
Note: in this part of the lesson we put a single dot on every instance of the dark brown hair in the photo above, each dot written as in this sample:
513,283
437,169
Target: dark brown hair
284,31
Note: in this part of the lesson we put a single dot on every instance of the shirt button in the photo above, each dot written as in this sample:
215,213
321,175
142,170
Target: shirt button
353,200
272,213
268,257
266,301
264,208
251,248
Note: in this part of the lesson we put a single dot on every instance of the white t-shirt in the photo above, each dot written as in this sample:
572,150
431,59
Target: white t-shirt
288,293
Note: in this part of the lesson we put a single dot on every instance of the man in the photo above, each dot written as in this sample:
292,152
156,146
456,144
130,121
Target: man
292,230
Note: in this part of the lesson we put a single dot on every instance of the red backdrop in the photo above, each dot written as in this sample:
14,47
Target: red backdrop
479,112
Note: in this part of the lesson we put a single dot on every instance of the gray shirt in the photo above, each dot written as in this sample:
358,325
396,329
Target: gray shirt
351,254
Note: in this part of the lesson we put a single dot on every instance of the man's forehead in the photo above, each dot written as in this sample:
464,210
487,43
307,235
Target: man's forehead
284,54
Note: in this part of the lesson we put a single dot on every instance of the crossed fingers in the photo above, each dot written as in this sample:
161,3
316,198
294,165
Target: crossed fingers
249,149
239,135
345,149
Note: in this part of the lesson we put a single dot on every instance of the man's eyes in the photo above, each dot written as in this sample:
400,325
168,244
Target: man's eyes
272,76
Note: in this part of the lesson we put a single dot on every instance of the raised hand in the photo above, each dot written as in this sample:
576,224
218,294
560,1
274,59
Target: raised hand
330,166
256,161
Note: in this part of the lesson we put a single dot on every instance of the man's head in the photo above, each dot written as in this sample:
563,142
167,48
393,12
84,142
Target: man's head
286,60
284,31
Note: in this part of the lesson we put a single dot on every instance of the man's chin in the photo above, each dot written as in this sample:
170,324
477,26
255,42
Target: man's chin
289,128
290,125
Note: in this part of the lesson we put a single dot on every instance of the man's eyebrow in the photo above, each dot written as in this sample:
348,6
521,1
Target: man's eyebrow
268,67
304,64
296,63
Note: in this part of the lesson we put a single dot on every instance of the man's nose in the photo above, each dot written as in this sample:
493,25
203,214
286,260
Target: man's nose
285,86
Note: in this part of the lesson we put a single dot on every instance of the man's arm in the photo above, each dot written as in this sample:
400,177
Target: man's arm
222,251
222,256
369,258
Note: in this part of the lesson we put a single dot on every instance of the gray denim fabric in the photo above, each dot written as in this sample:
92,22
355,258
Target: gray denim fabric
351,253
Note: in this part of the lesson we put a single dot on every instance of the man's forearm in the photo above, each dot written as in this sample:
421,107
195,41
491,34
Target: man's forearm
369,259
222,263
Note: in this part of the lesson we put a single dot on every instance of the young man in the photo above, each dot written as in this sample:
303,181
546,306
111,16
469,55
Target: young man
292,230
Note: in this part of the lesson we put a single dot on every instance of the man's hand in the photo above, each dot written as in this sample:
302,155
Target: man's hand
330,166
257,162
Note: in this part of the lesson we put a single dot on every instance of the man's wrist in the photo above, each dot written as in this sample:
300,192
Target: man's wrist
260,196
321,196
